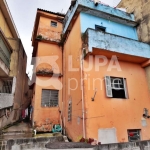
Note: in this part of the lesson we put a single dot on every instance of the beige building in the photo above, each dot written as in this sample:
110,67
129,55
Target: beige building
13,79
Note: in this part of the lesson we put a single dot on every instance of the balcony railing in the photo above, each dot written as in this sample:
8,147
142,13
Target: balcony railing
115,43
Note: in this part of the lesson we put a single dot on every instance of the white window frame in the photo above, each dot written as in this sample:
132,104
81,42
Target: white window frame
109,85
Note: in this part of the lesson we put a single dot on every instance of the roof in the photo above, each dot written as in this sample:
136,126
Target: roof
59,14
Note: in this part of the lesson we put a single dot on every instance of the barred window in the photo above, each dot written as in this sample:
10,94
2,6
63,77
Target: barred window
70,110
49,98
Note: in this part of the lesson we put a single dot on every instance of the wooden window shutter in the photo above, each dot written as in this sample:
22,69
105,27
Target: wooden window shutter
125,88
108,86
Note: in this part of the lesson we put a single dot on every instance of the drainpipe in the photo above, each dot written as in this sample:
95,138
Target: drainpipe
82,89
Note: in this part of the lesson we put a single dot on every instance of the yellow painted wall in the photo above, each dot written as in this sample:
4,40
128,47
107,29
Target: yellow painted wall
4,26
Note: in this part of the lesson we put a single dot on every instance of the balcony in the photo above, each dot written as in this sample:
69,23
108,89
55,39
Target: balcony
99,42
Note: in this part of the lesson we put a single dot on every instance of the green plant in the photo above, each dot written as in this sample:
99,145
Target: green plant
39,37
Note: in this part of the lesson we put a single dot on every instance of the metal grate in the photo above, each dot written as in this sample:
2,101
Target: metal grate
49,98
70,111
134,135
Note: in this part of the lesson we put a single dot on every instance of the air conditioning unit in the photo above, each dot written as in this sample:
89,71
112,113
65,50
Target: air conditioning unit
96,2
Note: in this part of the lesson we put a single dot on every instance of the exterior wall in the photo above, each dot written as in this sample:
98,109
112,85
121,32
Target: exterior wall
16,46
17,66
47,51
110,42
27,93
44,117
140,8
47,31
111,27
5,53
102,11
121,114
72,48
4,26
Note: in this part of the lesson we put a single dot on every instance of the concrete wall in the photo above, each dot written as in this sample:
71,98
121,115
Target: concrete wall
72,48
100,11
140,8
18,60
5,53
117,44
89,21
48,57
121,114
47,31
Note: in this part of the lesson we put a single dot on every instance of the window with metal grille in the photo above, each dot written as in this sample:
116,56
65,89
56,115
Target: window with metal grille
70,110
49,98
53,24
116,87
134,135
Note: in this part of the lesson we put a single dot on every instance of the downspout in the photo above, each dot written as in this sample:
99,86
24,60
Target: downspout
82,89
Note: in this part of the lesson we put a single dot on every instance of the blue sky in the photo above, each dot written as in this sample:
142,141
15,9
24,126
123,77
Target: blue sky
24,12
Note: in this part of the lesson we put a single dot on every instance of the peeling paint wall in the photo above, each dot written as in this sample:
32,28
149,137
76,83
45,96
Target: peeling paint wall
118,44
140,9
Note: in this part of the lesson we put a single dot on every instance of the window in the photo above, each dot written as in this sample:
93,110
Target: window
49,98
70,110
100,28
53,24
134,135
116,87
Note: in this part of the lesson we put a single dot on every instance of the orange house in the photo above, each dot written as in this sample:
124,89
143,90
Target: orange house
104,92
47,76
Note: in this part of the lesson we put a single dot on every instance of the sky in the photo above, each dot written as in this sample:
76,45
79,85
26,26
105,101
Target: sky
24,12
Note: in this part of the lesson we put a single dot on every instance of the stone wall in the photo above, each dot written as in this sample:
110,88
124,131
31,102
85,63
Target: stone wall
29,143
